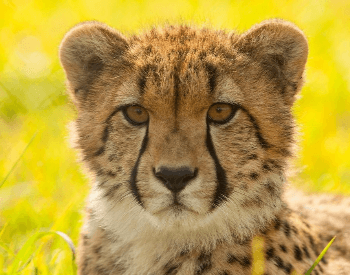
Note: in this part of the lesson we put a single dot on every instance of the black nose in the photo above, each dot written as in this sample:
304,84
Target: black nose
175,179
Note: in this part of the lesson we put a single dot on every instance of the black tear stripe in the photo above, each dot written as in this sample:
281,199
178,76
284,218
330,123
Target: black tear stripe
221,193
133,186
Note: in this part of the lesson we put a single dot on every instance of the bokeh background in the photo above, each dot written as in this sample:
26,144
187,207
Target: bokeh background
41,185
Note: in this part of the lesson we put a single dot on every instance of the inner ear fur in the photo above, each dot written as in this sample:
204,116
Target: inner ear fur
85,51
281,48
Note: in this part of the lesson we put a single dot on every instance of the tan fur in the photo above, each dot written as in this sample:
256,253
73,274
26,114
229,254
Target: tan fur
176,73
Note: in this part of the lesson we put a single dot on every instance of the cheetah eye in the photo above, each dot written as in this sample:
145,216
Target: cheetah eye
221,112
135,114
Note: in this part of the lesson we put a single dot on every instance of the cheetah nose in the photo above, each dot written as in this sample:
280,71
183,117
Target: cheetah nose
175,179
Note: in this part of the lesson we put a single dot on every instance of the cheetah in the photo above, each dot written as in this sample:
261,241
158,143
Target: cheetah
186,133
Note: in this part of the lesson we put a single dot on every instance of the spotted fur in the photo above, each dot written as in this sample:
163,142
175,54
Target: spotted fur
135,224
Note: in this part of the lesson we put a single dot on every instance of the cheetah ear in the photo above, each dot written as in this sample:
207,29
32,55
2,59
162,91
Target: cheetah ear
85,51
281,48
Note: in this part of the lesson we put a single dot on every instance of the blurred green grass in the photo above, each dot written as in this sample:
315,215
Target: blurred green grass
47,189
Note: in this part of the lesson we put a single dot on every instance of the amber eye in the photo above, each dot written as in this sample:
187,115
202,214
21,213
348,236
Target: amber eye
136,114
221,112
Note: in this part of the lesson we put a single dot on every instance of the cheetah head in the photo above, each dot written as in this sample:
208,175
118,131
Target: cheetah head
185,129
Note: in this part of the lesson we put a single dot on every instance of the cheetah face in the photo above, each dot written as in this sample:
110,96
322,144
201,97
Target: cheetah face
185,125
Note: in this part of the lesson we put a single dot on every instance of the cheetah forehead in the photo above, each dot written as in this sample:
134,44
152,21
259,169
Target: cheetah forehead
174,61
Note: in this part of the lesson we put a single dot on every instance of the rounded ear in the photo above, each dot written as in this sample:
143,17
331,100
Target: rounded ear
85,51
281,48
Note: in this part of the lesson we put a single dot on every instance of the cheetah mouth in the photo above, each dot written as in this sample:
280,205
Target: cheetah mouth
176,208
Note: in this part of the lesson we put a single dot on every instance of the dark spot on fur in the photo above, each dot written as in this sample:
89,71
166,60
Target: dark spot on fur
148,50
231,258
184,252
99,151
267,168
85,264
277,224
224,272
204,263
273,163
171,269
270,253
254,176
85,240
279,263
295,230
110,192
306,251
271,187
111,174
243,261
100,172
306,224
112,157
246,262
286,228
288,268
97,249
284,152
252,156
101,270
283,248
264,231
298,255
212,75
100,184
105,134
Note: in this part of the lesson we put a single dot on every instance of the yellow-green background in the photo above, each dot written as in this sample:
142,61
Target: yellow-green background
47,189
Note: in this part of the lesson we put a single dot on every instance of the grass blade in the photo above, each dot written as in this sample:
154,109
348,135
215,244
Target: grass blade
15,164
23,257
320,257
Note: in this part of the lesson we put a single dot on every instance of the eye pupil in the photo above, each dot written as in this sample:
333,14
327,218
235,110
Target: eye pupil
221,112
136,114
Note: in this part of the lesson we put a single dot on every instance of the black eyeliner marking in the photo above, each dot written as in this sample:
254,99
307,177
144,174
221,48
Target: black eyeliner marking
116,110
264,144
